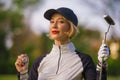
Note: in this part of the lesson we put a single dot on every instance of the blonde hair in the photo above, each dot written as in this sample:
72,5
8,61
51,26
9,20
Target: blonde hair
73,30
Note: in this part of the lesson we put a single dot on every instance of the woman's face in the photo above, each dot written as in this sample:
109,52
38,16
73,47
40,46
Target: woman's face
59,27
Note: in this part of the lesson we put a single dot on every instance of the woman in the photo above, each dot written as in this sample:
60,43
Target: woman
64,62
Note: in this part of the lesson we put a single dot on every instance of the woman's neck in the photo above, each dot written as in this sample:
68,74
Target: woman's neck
58,42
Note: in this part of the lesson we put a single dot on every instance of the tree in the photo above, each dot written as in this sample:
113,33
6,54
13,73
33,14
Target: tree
11,22
111,7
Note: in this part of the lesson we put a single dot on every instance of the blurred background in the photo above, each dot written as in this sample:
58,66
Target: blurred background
23,29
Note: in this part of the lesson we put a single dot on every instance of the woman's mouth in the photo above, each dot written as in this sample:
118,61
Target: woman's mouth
55,32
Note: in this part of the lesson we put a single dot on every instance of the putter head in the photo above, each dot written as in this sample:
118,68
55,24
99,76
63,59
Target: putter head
109,20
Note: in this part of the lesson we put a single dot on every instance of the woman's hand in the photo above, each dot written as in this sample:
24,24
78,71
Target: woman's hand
103,53
21,63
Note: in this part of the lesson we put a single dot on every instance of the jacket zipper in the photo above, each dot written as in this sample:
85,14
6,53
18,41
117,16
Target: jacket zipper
59,60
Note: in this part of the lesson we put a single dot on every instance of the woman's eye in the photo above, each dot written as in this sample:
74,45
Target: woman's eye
61,21
51,21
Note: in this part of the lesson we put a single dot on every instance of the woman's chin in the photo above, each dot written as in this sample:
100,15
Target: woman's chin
55,37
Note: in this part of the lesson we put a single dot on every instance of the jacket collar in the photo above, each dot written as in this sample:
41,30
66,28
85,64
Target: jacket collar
69,47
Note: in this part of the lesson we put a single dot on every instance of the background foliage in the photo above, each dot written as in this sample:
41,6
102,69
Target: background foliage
13,27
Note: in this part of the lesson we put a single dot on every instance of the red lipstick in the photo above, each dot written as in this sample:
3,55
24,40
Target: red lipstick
55,32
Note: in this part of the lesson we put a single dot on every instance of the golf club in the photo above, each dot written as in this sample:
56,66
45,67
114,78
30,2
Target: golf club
110,21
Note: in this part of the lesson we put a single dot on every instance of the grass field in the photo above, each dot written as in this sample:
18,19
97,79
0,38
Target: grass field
8,77
14,77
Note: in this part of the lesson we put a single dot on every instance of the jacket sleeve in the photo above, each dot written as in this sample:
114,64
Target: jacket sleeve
89,72
89,69
33,75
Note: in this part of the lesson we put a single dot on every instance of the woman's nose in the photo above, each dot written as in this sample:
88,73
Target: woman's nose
54,25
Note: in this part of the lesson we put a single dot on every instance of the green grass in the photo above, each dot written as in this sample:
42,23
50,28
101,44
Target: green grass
8,77
14,77
113,78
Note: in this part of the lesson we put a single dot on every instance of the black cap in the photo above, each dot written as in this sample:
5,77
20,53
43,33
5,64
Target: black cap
66,12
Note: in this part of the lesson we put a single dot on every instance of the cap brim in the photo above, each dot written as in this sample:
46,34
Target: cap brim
49,13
